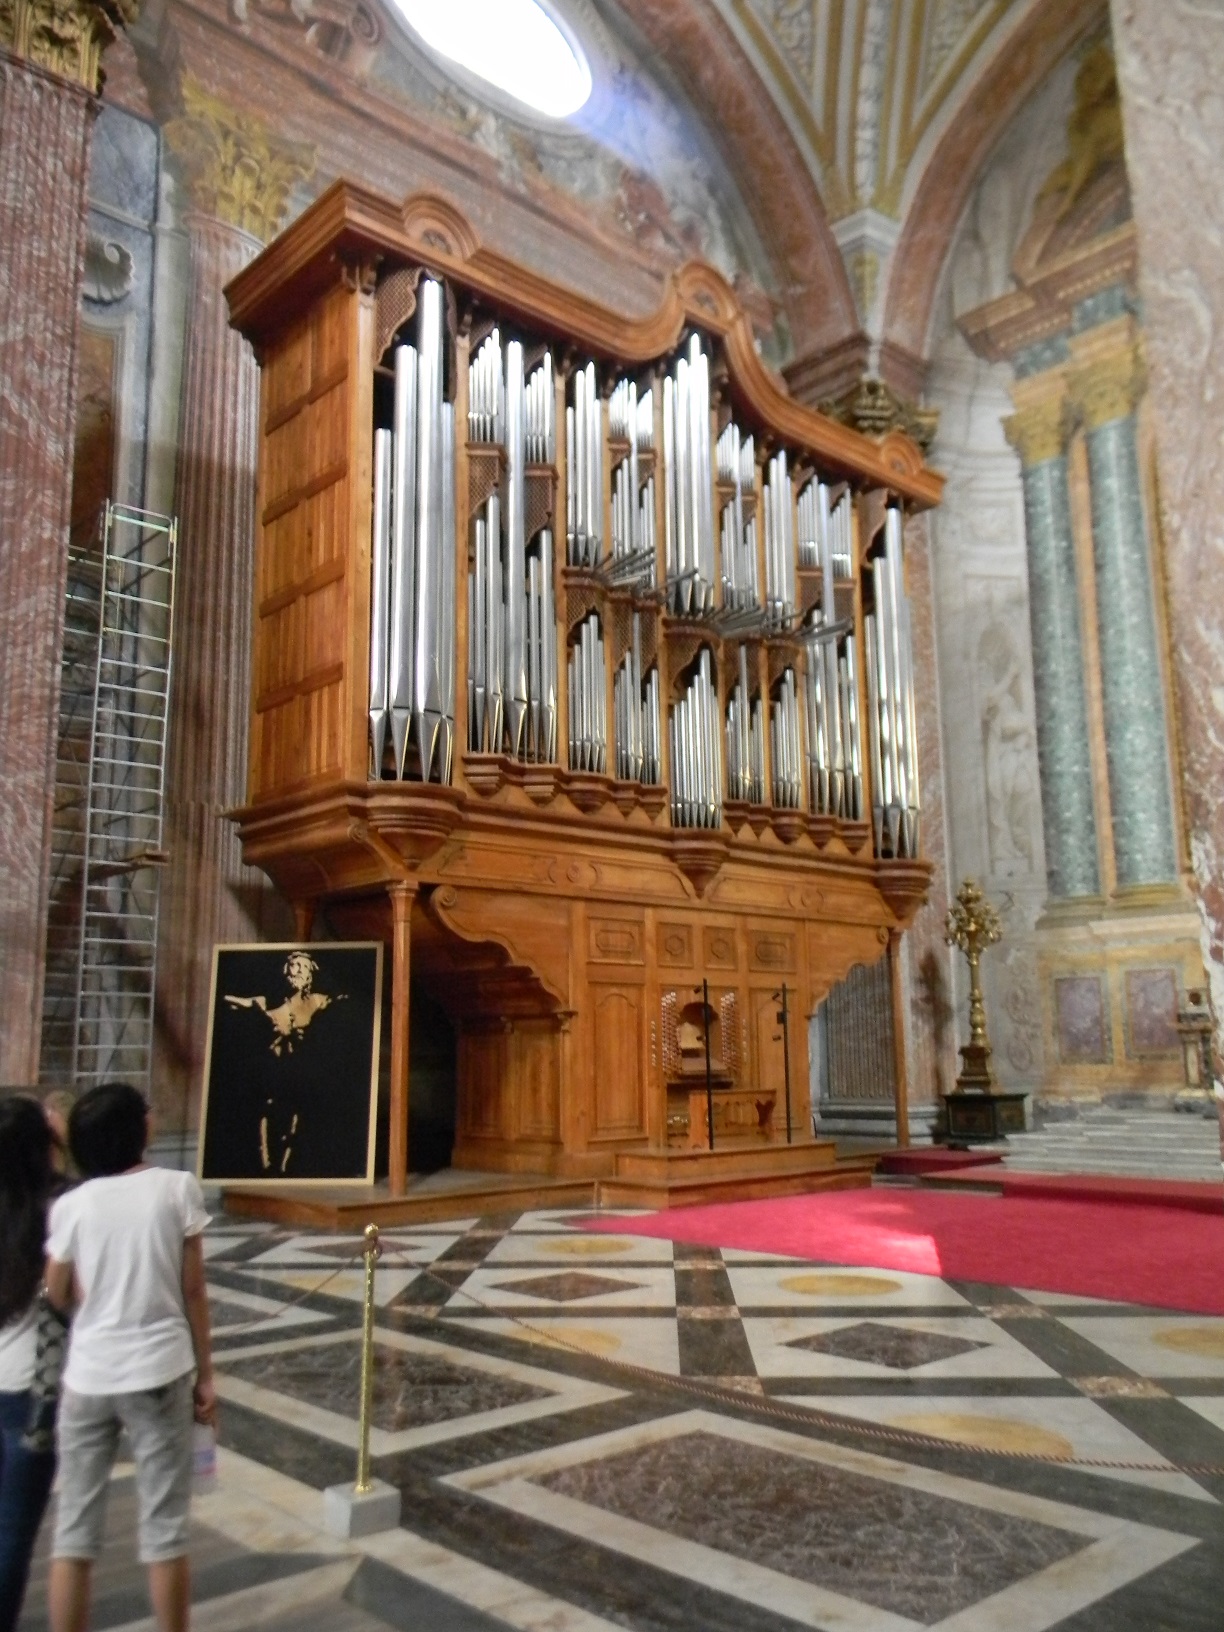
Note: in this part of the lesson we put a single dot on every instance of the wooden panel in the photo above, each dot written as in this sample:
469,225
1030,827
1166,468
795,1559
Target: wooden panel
768,1064
615,940
770,950
534,1067
674,945
307,571
719,948
481,1077
617,1021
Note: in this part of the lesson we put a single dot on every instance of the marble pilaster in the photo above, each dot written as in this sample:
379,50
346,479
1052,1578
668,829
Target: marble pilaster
1105,388
49,66
1038,431
238,178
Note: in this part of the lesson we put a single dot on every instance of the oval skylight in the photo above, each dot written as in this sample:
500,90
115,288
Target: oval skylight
512,44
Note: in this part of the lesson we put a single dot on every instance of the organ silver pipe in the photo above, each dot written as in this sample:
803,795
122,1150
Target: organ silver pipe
514,678
784,742
695,729
380,599
403,551
780,594
878,784
893,725
541,414
688,483
854,767
541,650
588,699
826,655
429,688
584,470
485,391
629,710
446,599
737,467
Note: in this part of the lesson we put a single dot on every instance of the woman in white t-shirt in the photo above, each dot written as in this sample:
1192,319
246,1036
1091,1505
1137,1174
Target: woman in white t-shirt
27,1177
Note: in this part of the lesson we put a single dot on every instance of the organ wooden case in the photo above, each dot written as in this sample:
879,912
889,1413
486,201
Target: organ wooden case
580,676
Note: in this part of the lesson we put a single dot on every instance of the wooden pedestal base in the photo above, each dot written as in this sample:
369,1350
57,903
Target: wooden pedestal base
643,1178
982,1119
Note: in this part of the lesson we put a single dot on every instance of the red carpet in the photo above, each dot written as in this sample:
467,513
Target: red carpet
1168,1258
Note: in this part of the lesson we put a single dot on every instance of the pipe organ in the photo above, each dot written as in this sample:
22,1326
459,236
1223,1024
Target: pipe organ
581,671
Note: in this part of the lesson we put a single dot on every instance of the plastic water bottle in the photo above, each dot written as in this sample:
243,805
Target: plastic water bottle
203,1458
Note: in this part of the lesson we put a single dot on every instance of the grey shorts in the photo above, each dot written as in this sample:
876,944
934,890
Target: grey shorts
159,1429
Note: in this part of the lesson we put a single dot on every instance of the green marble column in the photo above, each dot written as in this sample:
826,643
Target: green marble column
1038,432
1105,392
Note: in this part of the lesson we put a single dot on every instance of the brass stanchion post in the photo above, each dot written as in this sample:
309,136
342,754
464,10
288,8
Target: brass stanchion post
369,1504
373,1252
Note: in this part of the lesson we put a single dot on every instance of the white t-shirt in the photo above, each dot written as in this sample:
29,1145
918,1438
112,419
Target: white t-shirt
18,1341
124,1236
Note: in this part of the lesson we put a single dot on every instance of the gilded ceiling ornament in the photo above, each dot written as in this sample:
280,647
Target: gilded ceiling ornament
1040,430
874,408
234,165
1109,387
66,36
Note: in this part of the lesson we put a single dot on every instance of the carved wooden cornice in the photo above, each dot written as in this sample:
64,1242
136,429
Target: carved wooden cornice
360,226
234,166
67,37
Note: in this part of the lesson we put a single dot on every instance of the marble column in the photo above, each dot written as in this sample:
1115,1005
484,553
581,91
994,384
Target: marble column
50,55
1105,391
1038,432
238,178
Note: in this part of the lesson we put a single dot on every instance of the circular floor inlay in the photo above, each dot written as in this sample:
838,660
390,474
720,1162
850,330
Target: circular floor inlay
583,1246
987,1433
1206,1341
840,1286
577,1337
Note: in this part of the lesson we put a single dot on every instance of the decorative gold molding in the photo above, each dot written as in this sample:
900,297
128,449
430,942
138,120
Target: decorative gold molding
234,166
66,36
1109,387
1039,430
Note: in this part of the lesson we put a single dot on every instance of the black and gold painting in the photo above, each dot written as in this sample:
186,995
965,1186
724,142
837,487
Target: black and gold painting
291,1071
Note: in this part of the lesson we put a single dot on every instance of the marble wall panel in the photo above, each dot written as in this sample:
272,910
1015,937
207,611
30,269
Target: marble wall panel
1168,54
1151,1012
1082,1019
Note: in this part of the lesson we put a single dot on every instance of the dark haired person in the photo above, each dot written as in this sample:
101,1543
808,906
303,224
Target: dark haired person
139,1357
27,1178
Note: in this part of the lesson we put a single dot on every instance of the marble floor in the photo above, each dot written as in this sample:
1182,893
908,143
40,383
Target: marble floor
596,1431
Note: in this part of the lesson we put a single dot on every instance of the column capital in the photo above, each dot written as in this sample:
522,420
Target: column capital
67,37
1108,386
234,166
1040,429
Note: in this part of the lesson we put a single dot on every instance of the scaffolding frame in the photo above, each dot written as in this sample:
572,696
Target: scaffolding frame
115,692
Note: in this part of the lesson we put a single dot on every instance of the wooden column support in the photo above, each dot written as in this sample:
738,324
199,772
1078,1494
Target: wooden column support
900,1064
402,894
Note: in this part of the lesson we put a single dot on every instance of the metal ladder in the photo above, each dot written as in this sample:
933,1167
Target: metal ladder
110,786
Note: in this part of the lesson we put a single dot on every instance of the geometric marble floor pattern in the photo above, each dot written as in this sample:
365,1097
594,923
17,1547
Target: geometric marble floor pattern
601,1430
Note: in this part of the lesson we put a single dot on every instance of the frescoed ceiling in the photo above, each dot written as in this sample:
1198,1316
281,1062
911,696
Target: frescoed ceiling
870,90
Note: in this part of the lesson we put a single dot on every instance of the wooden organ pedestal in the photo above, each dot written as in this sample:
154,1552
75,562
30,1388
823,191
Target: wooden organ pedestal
580,676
